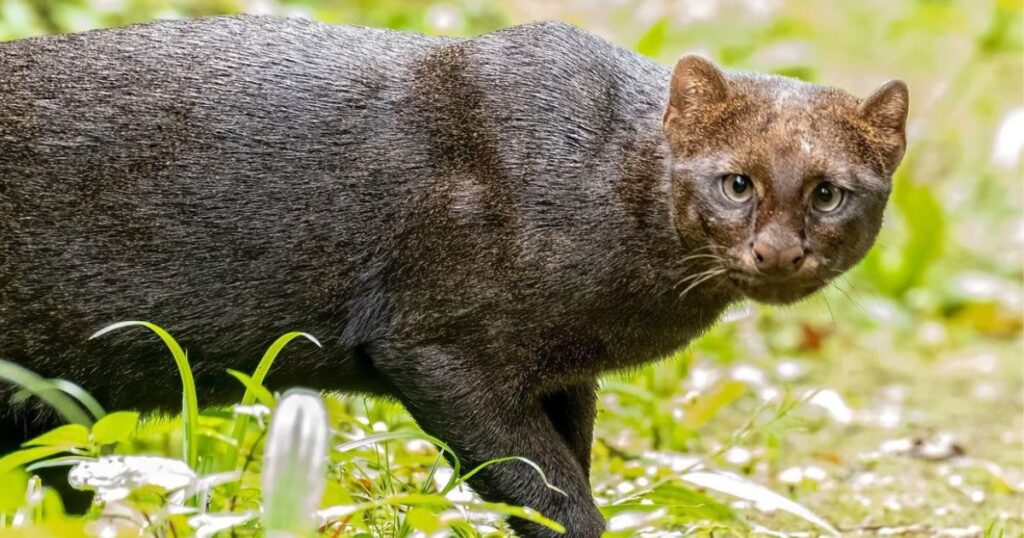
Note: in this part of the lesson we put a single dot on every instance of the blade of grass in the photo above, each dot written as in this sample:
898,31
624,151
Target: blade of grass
82,396
45,390
190,401
258,376
408,434
430,475
488,463
763,498
438,501
57,462
263,368
25,456
263,396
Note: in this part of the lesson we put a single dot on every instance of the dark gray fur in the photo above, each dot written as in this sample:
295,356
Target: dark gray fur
476,227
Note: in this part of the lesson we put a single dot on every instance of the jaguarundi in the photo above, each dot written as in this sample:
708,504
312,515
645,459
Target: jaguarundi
476,227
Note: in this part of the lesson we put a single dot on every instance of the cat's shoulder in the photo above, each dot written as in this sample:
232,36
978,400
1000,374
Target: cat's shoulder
547,39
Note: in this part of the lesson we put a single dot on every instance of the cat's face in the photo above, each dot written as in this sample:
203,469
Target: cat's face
781,185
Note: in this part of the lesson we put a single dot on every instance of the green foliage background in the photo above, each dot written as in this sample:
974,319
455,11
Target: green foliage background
933,315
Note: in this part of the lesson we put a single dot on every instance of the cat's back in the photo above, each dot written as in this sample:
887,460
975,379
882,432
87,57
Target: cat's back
217,80
240,42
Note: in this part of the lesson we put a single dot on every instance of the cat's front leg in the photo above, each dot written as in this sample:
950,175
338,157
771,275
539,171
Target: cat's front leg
572,410
483,415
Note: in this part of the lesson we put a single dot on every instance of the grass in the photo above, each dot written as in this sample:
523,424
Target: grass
377,487
291,470
723,438
190,403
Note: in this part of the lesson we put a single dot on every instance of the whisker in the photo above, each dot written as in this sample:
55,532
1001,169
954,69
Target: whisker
705,278
691,277
702,256
708,259
860,309
828,305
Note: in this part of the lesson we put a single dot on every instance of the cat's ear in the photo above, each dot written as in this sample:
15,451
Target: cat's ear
697,85
886,111
887,107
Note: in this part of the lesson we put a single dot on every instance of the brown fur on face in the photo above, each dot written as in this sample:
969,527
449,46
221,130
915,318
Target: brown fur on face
788,137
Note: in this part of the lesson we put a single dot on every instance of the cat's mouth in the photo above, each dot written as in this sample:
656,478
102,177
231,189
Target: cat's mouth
773,290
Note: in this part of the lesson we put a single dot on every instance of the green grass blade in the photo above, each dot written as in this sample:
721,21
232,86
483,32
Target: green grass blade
263,368
263,396
430,475
258,376
25,456
83,397
535,467
63,461
409,434
439,501
190,402
45,390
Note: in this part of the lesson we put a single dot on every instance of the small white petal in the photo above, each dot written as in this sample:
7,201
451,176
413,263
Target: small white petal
207,525
792,475
833,403
115,477
1009,140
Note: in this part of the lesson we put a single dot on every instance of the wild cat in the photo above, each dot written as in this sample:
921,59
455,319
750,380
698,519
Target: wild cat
476,227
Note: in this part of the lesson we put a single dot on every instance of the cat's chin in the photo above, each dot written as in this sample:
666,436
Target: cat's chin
776,293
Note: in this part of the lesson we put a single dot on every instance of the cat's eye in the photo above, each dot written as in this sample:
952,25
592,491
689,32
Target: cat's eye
738,187
827,197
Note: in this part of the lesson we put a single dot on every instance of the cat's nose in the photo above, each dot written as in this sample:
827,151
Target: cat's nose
777,261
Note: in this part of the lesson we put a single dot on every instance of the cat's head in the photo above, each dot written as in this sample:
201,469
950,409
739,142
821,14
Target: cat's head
779,184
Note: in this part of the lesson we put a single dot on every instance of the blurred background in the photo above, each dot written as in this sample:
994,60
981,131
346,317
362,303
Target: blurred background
890,403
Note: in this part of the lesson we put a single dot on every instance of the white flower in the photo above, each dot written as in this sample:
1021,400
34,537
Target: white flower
257,411
115,477
833,403
207,525
1009,141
